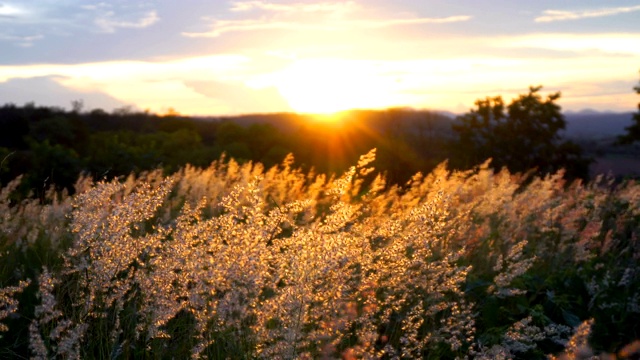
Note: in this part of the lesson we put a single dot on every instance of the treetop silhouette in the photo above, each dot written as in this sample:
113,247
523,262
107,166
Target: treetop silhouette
523,135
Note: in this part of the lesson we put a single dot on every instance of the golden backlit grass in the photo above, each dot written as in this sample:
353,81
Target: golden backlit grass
239,261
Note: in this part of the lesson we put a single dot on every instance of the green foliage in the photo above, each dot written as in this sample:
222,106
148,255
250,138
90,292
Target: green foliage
51,164
520,136
5,154
69,132
49,145
14,125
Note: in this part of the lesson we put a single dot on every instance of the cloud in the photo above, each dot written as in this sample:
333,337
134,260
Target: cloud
221,27
23,41
603,43
314,16
152,85
27,23
331,7
97,6
48,91
10,11
100,72
233,97
562,15
108,23
375,24
426,81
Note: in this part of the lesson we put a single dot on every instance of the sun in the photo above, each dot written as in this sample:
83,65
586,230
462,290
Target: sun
327,86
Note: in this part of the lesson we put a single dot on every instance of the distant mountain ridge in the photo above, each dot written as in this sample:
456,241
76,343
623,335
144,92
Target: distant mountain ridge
594,124
587,123
438,122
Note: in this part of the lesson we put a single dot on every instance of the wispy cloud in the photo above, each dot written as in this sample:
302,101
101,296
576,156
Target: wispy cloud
23,41
221,27
10,11
189,68
331,7
562,15
587,43
373,24
147,84
320,16
55,18
109,23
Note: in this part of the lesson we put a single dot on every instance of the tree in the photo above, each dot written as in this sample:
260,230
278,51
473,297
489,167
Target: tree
15,127
522,136
51,164
633,131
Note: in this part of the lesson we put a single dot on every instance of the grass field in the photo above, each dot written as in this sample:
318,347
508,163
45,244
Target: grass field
238,261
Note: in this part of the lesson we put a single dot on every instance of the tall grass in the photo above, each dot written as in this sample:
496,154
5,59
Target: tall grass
237,261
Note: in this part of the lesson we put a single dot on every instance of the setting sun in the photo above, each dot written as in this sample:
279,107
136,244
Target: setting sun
326,86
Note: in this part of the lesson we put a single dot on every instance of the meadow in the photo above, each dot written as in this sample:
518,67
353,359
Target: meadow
240,261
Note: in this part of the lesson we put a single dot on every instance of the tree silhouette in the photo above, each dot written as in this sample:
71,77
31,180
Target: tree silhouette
521,136
633,131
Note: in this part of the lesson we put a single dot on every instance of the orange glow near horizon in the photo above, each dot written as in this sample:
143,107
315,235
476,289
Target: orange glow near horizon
331,119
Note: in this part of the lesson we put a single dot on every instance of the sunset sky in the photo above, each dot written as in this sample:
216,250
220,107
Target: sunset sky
229,57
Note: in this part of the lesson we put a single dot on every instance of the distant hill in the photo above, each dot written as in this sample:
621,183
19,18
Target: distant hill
596,125
584,124
380,121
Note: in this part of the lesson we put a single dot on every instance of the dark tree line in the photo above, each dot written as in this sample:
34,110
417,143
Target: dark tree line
52,146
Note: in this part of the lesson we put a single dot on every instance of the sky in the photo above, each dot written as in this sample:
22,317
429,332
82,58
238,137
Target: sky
222,57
